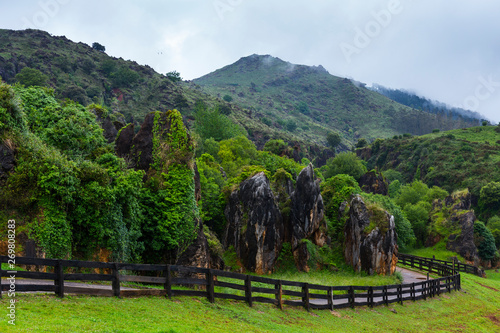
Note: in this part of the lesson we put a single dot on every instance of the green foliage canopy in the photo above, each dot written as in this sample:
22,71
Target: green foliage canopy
344,163
31,77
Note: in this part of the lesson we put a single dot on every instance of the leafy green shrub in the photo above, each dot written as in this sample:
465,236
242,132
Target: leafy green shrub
210,123
31,77
344,163
335,191
276,147
124,78
11,111
484,241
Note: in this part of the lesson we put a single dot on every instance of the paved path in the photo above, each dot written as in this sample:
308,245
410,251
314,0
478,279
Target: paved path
410,276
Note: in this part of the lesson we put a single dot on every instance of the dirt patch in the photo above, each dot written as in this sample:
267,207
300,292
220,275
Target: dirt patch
494,319
491,288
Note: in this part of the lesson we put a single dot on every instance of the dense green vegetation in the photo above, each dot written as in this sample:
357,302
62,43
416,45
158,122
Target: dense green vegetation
71,193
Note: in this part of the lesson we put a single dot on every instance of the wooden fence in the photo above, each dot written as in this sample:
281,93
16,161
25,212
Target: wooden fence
210,283
418,262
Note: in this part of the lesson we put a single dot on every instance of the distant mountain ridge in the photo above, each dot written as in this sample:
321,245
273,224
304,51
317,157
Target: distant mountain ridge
415,101
279,94
269,97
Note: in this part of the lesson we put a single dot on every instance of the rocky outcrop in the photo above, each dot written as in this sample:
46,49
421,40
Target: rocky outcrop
141,153
110,128
197,254
254,224
373,182
370,239
457,229
123,142
463,242
7,159
306,216
260,220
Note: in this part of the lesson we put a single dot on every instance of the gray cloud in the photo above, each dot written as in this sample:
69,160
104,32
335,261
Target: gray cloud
442,50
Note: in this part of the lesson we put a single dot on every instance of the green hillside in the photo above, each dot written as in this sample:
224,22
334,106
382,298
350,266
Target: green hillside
86,75
280,95
457,159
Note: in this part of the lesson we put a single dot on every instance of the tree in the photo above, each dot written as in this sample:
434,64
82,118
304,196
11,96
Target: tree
291,125
344,163
124,77
303,108
484,241
210,123
361,143
31,77
98,47
333,139
494,226
227,98
174,76
276,147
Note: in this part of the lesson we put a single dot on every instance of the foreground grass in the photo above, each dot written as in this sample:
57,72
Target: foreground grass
474,309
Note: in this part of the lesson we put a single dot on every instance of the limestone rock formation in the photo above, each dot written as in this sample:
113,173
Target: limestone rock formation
197,254
463,243
459,225
7,160
373,182
306,216
370,239
254,224
123,141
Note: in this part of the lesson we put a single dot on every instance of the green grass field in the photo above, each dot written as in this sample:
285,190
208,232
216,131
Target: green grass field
474,309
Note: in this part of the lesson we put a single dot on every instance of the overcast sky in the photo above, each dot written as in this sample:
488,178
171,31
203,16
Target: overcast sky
443,50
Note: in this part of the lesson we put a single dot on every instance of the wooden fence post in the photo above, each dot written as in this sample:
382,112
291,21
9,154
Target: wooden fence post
210,286
1,274
305,298
60,279
279,294
412,291
116,280
385,297
370,297
248,290
330,298
351,296
168,282
400,294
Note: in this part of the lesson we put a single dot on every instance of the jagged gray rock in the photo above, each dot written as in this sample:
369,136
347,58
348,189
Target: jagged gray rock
370,239
7,160
254,224
306,216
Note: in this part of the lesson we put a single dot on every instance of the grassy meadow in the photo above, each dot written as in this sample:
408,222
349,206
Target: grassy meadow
474,309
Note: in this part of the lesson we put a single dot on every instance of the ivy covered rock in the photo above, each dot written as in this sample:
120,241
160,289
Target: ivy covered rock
452,221
370,239
254,224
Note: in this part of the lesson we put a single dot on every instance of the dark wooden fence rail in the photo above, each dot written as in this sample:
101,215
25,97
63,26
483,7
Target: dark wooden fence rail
212,284
417,262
